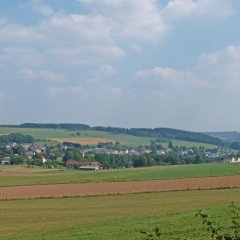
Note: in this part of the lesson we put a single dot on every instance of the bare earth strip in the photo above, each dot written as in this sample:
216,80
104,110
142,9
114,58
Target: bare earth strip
82,140
24,174
93,189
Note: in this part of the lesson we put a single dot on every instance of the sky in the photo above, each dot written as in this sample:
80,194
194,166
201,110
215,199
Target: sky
122,63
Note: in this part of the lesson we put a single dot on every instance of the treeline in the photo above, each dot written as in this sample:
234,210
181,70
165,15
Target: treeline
16,138
234,145
147,160
65,126
110,161
164,133
168,133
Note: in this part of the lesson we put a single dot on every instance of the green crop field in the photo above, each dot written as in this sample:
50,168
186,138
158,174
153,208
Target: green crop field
55,176
116,217
124,139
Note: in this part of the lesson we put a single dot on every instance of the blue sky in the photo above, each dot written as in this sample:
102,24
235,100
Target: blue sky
126,63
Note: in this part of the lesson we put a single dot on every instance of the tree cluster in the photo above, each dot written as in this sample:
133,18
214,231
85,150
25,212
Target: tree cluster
16,138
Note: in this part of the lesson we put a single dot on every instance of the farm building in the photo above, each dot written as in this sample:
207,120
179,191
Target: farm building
235,160
6,161
90,166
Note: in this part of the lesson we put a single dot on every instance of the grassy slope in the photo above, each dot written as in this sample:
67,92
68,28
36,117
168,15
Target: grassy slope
51,133
118,217
124,139
74,176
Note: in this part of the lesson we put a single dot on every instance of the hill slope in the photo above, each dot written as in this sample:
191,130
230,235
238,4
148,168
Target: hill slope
157,133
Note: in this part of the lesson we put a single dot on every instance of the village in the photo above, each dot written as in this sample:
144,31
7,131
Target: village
109,155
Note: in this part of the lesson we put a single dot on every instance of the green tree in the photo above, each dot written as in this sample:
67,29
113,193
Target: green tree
170,145
198,159
140,161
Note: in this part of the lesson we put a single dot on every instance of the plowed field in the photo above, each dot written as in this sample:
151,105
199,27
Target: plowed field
91,189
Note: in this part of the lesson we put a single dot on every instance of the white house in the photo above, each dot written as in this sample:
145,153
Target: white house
235,160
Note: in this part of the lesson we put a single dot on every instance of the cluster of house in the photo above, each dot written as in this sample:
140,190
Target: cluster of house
30,151
109,151
125,151
33,150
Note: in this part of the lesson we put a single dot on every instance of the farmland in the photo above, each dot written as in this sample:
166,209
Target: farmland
98,189
108,137
13,176
113,204
60,133
116,217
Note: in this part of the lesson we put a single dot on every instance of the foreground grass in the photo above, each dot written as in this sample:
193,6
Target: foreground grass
120,175
118,217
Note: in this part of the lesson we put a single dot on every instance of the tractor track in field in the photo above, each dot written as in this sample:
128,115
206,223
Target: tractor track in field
96,189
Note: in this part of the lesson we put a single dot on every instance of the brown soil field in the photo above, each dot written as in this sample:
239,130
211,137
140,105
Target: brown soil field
95,189
24,174
82,140
10,171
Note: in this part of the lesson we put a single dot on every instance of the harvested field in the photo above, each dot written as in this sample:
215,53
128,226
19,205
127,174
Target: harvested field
13,171
92,189
24,174
90,141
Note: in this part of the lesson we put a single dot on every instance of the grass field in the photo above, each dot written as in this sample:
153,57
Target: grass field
53,133
115,217
124,139
13,176
118,217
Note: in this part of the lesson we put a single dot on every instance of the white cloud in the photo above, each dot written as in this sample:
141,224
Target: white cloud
221,68
107,69
131,19
27,73
49,76
19,56
76,28
168,77
202,9
54,91
40,7
11,32
116,91
137,48
75,89
84,55
99,35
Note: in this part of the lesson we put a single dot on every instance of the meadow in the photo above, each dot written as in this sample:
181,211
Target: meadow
127,140
115,217
16,176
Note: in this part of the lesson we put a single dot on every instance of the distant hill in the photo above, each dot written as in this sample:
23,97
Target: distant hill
226,136
168,133
161,133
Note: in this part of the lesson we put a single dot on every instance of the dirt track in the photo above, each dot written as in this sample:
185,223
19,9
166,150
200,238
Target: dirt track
90,189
